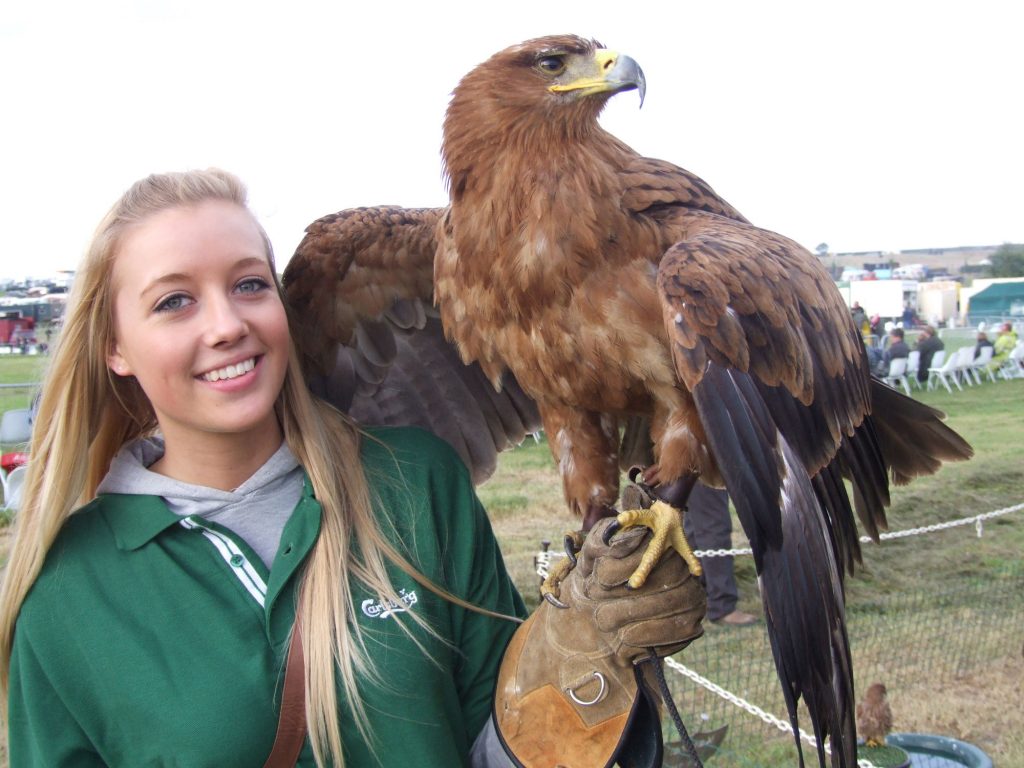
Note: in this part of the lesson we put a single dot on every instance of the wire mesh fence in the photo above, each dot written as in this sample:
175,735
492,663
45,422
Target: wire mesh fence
906,640
909,640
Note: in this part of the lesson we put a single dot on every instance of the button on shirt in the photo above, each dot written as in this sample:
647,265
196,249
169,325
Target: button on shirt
152,639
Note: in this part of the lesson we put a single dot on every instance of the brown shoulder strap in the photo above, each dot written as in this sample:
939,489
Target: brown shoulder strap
291,726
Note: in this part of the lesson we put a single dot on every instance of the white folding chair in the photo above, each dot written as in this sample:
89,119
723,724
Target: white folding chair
913,361
962,370
16,426
980,365
944,372
898,374
1013,366
12,488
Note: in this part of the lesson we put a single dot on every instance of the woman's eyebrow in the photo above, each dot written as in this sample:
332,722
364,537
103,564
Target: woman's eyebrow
171,277
177,277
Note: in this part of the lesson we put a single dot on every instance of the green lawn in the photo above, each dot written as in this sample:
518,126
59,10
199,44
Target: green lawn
19,369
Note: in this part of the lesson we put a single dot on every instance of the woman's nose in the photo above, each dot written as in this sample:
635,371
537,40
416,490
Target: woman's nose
225,324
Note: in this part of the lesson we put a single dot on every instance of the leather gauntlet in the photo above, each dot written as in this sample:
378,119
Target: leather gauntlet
570,691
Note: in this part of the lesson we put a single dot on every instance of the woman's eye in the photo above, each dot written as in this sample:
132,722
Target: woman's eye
553,65
173,302
252,285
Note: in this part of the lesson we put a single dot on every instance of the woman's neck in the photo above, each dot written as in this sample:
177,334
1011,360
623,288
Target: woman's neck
217,461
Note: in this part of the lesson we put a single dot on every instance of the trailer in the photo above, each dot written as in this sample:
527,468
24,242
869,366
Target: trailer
938,301
15,329
885,298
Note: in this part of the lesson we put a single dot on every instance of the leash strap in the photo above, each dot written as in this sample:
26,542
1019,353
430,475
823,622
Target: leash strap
666,695
291,725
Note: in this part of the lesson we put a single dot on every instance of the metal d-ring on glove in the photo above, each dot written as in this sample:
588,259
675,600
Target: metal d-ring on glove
597,697
573,689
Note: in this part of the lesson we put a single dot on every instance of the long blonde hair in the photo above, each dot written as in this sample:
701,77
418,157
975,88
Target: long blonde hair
86,413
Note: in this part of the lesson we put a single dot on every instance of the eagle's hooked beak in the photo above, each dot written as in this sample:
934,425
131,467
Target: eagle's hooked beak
615,72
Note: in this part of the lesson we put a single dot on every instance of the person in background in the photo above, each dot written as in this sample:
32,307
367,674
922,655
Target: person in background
1003,346
708,525
897,349
982,342
928,343
909,317
198,527
874,356
860,316
876,327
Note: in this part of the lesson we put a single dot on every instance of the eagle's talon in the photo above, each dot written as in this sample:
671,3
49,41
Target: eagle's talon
570,542
549,588
553,600
611,530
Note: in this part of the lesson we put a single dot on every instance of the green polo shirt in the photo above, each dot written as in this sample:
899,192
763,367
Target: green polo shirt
155,640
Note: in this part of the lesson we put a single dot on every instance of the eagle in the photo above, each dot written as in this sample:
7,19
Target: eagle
620,304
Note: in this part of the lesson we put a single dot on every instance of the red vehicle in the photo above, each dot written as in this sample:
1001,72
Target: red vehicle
17,330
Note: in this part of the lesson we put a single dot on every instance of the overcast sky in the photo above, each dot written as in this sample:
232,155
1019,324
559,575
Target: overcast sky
867,125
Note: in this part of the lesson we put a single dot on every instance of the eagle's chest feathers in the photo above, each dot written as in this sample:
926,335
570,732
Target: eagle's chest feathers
544,289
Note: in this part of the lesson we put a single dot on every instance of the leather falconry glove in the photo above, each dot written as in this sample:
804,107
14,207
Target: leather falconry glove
572,689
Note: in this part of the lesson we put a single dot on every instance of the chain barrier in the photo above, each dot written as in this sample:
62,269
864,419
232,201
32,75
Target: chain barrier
753,709
542,562
978,521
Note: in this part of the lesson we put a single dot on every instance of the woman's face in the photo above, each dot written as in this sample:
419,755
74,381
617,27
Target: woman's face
198,322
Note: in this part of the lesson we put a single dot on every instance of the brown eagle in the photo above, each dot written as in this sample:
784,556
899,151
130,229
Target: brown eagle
640,315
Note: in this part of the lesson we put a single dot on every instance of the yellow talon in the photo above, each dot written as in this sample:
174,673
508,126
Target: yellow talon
549,588
666,524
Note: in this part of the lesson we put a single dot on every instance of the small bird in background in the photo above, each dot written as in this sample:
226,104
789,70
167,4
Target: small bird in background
874,716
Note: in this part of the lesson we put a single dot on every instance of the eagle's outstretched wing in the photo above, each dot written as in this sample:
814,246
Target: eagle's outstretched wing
360,293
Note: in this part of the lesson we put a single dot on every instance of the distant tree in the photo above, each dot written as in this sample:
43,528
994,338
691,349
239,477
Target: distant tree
1008,261
977,270
822,249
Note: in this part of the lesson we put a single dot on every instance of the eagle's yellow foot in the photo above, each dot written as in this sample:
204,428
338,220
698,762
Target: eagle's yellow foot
666,523
874,743
549,588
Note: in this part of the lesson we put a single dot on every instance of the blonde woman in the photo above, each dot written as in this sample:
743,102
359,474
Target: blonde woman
187,498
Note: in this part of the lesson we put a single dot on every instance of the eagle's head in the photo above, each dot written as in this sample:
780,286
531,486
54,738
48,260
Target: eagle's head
537,92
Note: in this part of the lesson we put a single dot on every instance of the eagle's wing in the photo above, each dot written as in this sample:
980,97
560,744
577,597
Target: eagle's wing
360,292
778,384
777,371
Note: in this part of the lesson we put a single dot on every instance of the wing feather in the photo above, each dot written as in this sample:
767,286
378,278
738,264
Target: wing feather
794,549
360,288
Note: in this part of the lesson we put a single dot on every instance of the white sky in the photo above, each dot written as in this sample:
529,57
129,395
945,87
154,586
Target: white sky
867,125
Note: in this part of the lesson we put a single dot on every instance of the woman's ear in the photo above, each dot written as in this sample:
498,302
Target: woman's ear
117,363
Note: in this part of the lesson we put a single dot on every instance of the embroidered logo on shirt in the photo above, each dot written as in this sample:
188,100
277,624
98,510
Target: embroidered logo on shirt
378,610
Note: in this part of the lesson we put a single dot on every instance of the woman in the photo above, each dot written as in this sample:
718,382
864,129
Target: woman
219,500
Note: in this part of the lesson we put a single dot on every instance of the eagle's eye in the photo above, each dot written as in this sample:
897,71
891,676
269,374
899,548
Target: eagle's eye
551,65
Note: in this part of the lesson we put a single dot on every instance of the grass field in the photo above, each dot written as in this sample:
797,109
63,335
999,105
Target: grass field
983,705
19,369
